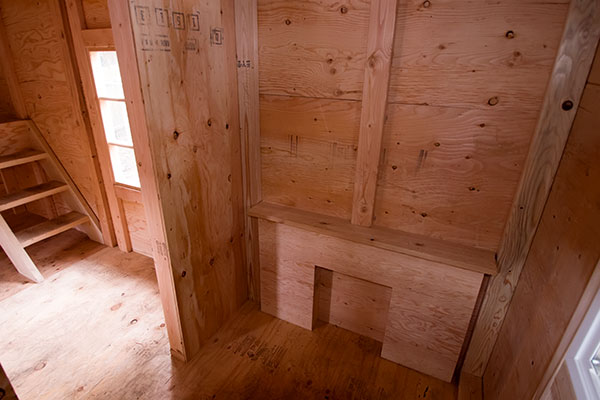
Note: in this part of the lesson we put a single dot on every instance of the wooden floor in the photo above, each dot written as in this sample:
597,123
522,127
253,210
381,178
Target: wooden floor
94,329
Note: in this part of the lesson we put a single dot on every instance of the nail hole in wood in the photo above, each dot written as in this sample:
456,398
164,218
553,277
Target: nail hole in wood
567,105
288,22
510,34
175,135
344,10
426,4
493,101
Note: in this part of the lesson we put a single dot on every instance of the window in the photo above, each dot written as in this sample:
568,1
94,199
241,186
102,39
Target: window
109,89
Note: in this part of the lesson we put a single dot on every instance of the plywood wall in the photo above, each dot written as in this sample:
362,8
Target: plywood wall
562,258
467,82
44,72
189,86
6,109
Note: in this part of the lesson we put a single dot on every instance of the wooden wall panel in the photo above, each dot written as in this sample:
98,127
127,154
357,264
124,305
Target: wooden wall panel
428,317
313,49
7,111
467,82
354,304
308,161
442,167
188,80
96,14
137,226
44,71
470,78
461,54
559,265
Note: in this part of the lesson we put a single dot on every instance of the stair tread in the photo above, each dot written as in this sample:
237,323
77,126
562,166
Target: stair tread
22,157
30,194
50,228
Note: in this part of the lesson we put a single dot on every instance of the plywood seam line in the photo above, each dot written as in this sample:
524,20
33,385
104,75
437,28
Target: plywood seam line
382,22
246,23
115,208
73,75
564,90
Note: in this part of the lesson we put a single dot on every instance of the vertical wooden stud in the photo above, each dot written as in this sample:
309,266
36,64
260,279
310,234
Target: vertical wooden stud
374,99
246,27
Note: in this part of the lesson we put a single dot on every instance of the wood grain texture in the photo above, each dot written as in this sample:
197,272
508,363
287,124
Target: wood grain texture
456,53
407,246
135,215
17,254
567,81
98,38
190,101
560,264
126,53
354,304
255,356
442,167
48,83
428,318
82,58
380,40
470,387
287,284
308,153
96,14
313,49
50,228
246,35
12,104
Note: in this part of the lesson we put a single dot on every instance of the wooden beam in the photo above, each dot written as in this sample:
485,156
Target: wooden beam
246,30
98,38
17,254
409,244
76,22
125,45
374,99
563,94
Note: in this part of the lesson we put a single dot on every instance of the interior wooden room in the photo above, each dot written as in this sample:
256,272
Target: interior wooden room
308,199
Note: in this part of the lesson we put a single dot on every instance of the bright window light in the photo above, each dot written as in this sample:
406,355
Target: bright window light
113,110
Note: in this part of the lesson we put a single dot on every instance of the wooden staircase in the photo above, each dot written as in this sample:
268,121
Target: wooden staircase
22,145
